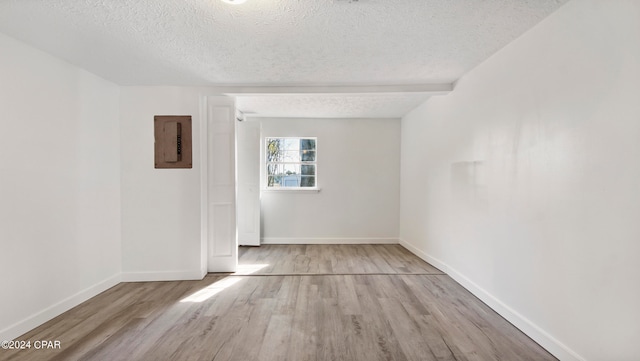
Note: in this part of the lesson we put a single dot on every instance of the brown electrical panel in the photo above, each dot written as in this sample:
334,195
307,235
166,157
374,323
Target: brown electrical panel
172,141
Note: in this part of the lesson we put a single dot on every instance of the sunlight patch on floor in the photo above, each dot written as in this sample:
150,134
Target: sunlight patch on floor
247,269
211,290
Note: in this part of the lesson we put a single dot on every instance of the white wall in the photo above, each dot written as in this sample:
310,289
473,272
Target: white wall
59,187
524,183
358,173
161,237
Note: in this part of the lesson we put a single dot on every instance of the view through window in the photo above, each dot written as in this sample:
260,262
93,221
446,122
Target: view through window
291,162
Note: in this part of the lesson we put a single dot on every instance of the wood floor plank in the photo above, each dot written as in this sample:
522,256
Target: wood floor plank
276,339
407,330
304,329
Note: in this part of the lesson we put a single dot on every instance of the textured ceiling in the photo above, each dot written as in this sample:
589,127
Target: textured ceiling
273,42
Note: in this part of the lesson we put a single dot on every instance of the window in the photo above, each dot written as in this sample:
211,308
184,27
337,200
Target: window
291,162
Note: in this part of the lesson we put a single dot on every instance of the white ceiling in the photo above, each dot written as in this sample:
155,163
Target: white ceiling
330,105
278,43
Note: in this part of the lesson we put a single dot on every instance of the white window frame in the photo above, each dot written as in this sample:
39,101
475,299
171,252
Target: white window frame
265,163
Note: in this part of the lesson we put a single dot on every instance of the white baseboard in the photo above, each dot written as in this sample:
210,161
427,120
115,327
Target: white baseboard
346,240
554,346
16,330
425,257
163,276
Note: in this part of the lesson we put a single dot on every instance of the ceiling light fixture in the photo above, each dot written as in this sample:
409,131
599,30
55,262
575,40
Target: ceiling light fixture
235,2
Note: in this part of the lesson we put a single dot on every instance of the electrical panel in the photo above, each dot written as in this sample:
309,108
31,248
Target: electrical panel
172,141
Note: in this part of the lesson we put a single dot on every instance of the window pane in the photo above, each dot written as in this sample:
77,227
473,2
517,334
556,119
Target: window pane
291,169
273,181
308,170
290,181
291,144
308,155
291,156
275,169
308,181
308,144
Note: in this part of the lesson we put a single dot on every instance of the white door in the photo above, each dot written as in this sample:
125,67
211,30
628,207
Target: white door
248,165
222,245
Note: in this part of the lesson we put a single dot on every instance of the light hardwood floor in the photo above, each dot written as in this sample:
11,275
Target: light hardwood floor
326,303
332,259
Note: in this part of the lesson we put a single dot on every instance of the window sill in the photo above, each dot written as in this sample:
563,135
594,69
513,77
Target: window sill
291,189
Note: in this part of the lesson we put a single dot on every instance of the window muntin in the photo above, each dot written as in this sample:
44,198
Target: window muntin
291,162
